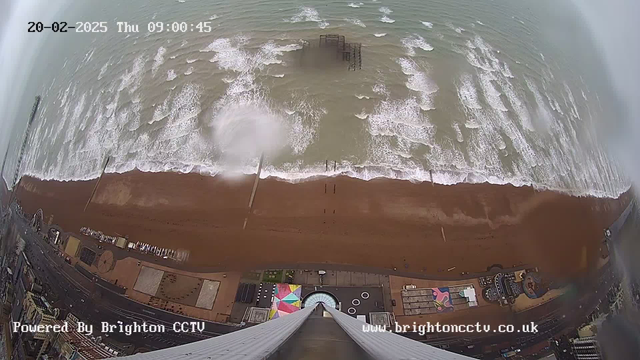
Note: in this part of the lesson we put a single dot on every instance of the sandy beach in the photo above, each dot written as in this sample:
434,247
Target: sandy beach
414,227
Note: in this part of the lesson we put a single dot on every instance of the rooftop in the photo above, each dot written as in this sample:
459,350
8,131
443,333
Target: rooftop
87,347
40,303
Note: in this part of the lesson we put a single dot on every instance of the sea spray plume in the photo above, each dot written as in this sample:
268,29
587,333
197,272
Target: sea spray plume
244,125
245,129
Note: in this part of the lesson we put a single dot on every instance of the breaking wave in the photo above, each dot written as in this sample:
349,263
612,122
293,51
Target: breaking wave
309,14
415,41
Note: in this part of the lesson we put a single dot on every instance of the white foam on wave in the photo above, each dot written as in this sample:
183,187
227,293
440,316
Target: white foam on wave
185,108
228,56
191,61
398,129
491,94
456,128
485,143
410,171
427,24
481,55
357,22
457,29
103,69
402,119
278,75
272,52
505,70
173,142
380,89
480,22
386,19
189,71
74,120
90,114
309,14
467,93
360,97
221,43
355,5
553,103
362,115
574,108
132,78
158,60
161,111
385,10
88,56
171,75
415,41
519,107
380,34
419,81
213,17
303,123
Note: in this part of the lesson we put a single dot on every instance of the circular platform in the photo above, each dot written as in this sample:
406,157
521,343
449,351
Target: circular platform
105,262
490,294
320,297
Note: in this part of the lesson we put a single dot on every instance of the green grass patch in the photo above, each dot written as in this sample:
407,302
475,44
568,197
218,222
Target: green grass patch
272,276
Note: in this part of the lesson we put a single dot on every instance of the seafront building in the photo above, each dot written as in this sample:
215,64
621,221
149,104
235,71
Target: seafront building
586,348
72,345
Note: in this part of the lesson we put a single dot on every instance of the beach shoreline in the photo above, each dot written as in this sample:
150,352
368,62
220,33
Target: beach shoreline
420,228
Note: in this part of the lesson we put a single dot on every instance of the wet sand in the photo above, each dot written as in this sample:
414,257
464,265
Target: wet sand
380,223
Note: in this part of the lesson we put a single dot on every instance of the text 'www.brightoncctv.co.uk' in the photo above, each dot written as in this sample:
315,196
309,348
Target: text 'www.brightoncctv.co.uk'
432,328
